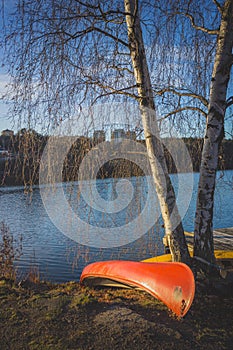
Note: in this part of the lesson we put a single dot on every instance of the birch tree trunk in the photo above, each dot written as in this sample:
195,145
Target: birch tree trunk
203,232
174,235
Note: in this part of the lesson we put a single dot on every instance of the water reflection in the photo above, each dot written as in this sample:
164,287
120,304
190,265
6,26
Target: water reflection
60,258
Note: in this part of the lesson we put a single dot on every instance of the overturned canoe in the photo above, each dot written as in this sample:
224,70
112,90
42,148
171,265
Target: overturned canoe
172,283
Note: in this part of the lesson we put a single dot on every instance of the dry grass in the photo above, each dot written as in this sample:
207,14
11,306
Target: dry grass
70,316
10,251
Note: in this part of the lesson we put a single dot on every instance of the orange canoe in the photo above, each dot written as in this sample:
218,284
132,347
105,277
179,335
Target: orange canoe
172,283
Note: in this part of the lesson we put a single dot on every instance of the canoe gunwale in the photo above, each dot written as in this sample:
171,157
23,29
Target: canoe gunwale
165,285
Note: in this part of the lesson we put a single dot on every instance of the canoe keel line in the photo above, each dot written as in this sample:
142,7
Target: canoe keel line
172,283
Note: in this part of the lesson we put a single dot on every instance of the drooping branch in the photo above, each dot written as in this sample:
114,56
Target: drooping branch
201,98
111,89
116,39
114,91
92,29
181,109
108,89
120,69
103,15
197,27
229,101
219,7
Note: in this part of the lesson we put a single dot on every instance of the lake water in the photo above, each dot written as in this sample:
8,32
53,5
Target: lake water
60,258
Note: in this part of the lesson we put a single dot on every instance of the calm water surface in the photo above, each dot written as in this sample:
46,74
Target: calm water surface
60,259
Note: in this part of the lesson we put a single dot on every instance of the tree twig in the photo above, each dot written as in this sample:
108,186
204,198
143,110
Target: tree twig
181,109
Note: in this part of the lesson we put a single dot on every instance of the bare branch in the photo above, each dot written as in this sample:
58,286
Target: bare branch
111,36
91,29
229,101
103,14
114,92
179,93
218,6
121,69
194,25
178,110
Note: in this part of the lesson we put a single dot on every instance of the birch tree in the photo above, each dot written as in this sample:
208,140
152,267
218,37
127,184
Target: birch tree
174,234
71,48
201,91
63,54
203,233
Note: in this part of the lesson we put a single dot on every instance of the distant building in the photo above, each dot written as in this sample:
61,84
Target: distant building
6,138
118,134
131,135
7,132
99,136
4,153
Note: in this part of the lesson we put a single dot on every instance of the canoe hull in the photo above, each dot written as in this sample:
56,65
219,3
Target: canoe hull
172,283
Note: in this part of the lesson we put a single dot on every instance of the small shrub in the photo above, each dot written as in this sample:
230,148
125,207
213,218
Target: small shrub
33,274
10,251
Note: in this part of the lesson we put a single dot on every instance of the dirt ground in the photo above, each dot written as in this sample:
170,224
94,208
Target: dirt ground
70,316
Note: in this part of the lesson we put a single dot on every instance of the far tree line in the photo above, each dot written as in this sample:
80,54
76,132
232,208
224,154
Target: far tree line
171,56
26,147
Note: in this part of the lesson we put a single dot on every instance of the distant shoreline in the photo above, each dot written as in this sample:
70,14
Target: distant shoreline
22,168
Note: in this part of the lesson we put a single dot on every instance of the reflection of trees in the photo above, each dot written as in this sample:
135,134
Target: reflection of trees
76,53
27,148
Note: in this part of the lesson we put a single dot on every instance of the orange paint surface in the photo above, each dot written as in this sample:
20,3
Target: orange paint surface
172,283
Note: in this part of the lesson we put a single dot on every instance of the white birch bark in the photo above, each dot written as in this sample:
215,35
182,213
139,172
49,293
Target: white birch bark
174,235
203,232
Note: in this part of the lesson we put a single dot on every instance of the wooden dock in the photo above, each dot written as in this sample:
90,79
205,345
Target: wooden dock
223,238
223,247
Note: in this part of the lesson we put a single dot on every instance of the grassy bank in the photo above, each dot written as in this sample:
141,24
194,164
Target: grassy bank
70,316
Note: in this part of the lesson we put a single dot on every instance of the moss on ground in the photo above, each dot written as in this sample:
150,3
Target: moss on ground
70,316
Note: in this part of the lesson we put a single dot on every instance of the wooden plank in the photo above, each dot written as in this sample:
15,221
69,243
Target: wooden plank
223,238
219,254
223,245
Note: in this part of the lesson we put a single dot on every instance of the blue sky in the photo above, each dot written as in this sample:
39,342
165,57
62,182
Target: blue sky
5,123
4,120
